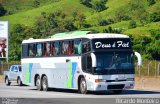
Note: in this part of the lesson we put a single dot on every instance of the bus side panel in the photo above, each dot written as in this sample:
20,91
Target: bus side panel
60,74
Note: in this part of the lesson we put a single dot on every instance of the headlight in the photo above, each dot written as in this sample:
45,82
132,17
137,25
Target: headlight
100,80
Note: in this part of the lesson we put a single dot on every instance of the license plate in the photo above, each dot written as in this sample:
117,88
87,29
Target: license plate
121,77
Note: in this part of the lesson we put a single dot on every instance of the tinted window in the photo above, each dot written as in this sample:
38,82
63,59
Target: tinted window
47,49
20,69
25,50
57,48
39,49
12,68
15,69
31,50
86,47
77,46
65,48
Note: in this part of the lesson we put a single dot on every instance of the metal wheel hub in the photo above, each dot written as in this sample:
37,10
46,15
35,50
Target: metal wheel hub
83,86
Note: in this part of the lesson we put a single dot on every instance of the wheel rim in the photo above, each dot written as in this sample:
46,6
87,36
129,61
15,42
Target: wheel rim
44,84
38,83
7,81
19,82
83,86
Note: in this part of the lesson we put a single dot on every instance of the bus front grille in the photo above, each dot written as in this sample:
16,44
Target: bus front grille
119,86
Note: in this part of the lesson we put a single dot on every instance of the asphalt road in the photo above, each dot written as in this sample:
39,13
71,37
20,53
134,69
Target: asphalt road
24,93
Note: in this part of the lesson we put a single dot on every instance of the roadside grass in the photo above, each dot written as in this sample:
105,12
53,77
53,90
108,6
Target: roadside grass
1,78
148,69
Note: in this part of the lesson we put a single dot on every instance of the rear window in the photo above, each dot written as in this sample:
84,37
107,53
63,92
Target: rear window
20,69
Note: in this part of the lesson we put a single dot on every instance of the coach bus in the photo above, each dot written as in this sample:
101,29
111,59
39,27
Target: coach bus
80,60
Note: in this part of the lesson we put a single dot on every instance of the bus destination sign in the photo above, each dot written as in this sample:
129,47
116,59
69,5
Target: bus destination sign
118,43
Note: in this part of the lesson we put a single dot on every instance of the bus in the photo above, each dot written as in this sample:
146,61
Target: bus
79,60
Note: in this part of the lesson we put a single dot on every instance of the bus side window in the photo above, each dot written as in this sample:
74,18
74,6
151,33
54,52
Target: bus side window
69,48
39,49
53,50
77,46
72,47
25,50
47,49
57,48
31,50
86,47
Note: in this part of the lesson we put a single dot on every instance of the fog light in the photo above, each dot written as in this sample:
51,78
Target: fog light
98,86
130,79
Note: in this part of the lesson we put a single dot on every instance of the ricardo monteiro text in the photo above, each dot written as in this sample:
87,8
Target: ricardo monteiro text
137,101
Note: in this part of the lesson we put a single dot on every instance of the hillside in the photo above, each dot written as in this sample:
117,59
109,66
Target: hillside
38,18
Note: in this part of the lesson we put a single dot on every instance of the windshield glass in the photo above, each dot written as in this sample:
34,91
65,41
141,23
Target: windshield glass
114,63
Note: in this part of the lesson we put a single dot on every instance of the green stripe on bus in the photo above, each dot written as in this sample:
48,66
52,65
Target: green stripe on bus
69,80
27,74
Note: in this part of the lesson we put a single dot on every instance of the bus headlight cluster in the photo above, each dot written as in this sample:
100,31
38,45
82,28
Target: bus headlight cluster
100,80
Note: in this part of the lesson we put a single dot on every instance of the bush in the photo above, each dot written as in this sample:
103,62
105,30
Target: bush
155,17
86,3
2,10
132,24
151,2
98,6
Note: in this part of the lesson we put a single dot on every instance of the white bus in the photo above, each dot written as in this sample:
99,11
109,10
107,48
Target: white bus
79,60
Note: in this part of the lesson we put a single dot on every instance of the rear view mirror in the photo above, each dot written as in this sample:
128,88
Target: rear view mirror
93,60
139,57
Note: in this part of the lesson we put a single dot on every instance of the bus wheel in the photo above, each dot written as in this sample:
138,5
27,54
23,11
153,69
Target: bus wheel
83,86
117,91
45,83
19,81
7,82
38,83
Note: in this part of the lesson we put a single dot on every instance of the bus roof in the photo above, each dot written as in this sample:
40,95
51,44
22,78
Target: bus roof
77,34
70,34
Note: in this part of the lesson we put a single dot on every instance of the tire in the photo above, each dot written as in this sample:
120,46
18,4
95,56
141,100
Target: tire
117,91
83,86
19,81
45,83
38,83
7,82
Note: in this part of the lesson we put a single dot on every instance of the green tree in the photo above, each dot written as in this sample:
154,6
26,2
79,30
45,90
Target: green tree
121,14
151,2
98,6
2,10
36,3
132,24
155,17
69,25
86,3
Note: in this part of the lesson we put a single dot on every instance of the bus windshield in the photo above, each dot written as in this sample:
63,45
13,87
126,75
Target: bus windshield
120,62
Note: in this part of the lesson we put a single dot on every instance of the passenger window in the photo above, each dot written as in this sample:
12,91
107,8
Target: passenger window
72,48
12,69
47,49
57,48
86,47
39,49
77,46
65,48
20,69
15,69
25,50
31,50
